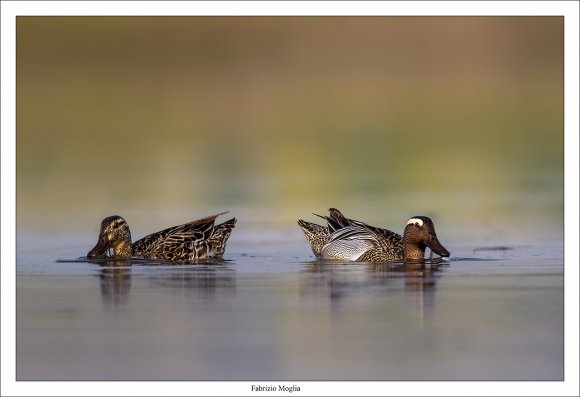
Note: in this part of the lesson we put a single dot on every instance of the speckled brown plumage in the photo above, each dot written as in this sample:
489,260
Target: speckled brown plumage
194,240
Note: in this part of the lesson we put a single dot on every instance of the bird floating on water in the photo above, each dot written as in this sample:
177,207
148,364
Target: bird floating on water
351,240
194,240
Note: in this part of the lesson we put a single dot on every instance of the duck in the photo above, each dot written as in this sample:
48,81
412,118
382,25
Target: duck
188,242
351,240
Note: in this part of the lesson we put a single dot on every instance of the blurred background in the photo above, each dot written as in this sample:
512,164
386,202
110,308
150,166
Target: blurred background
166,119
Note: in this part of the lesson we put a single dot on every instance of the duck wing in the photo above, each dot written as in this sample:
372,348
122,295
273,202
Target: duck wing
354,240
337,220
350,243
175,238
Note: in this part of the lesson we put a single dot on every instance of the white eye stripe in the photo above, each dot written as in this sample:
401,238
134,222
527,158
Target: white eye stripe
415,220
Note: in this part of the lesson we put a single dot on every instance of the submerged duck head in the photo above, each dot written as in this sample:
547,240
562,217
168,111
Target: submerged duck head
419,234
114,235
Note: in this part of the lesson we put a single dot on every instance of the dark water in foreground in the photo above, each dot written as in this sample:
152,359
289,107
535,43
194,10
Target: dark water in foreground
270,312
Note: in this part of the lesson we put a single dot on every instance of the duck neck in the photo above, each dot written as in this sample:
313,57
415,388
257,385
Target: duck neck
122,249
413,251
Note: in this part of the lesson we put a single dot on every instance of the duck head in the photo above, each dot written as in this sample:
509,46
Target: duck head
419,234
114,235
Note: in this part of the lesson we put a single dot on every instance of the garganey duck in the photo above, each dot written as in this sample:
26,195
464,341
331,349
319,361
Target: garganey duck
350,240
194,240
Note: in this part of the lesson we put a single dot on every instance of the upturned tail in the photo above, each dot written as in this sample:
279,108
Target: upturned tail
220,237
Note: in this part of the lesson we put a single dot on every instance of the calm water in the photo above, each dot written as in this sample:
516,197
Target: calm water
270,312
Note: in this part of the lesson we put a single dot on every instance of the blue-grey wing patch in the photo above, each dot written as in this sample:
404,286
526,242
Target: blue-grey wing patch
349,250
348,243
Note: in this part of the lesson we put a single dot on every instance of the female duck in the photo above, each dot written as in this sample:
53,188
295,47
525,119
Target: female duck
350,240
194,240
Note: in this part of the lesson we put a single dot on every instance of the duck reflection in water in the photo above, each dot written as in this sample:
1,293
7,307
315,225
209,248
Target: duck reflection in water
344,281
115,285
202,280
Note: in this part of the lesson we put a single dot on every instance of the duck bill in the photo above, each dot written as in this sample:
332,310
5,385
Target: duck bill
102,246
437,248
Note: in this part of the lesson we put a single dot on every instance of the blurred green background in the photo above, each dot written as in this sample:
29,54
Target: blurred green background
164,119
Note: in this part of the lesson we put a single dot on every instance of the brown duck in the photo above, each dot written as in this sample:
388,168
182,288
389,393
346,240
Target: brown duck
194,240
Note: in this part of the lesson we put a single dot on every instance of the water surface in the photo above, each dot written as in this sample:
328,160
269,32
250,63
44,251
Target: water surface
271,312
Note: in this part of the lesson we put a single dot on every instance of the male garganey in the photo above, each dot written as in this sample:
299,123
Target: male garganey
350,240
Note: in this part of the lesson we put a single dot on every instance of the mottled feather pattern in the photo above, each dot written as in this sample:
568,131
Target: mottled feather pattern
190,241
216,244
194,240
